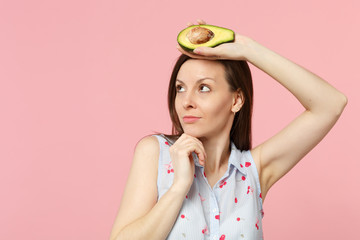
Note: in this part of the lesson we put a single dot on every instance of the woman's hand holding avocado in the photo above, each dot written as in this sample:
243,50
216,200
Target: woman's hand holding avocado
183,162
236,50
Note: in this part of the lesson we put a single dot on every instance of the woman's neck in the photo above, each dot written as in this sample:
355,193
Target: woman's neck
218,152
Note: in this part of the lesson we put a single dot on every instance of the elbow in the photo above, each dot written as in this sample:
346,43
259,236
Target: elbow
341,104
333,108
345,101
336,107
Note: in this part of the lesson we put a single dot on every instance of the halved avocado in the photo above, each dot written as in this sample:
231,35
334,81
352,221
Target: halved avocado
204,35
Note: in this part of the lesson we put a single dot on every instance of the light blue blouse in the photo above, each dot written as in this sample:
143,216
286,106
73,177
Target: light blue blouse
231,210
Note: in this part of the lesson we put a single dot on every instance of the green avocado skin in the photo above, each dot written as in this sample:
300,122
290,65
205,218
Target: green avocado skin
183,46
192,49
186,49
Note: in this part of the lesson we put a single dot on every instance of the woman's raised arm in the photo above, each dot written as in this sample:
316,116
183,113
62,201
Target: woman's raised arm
323,106
322,102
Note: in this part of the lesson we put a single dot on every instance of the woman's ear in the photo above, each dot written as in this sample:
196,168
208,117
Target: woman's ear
238,101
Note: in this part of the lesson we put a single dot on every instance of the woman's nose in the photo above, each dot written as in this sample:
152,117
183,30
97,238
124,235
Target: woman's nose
189,100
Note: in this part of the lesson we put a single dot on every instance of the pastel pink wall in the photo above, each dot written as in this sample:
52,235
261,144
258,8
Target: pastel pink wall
82,81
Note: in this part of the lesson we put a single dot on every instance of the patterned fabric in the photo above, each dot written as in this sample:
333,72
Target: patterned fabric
232,209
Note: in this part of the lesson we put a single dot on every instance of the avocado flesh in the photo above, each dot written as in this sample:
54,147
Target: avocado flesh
221,35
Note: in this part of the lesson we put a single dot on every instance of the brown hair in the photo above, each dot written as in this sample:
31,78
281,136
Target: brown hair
238,76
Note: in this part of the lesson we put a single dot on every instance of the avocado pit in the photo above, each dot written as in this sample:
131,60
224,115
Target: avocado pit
199,35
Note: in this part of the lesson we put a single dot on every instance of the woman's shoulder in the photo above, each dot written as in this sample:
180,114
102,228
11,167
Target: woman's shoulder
148,143
154,144
146,153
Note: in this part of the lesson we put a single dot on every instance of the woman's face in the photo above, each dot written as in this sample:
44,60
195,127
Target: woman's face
203,100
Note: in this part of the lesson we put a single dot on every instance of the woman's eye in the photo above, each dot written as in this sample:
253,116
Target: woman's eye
179,88
205,88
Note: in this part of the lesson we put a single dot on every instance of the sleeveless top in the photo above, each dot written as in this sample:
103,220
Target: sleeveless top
232,209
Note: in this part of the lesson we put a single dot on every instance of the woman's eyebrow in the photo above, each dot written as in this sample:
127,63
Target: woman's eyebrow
201,79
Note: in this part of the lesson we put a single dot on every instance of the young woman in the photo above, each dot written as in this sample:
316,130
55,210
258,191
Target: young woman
206,181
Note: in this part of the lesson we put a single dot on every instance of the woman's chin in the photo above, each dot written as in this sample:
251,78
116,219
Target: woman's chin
194,133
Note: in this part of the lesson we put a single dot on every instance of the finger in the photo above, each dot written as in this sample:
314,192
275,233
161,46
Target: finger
201,145
207,51
190,54
192,145
198,147
201,158
200,21
199,152
196,56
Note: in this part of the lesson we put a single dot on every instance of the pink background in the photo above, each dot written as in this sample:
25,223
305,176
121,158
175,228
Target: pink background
82,81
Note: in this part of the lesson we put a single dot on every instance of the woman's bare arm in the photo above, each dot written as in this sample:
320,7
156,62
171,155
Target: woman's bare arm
322,102
140,215
323,106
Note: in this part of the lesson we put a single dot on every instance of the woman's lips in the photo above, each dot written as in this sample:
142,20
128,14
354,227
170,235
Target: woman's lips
190,119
